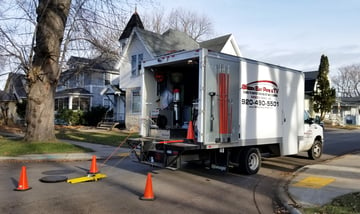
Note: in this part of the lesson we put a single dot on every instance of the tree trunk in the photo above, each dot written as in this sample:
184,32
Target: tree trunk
40,112
44,73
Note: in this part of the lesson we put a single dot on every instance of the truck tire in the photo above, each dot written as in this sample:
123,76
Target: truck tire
249,161
316,150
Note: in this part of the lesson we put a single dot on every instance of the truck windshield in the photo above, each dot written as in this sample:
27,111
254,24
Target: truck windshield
306,116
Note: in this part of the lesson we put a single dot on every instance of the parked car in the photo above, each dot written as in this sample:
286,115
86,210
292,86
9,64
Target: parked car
61,122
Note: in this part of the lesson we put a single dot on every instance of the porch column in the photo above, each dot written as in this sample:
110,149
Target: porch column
70,102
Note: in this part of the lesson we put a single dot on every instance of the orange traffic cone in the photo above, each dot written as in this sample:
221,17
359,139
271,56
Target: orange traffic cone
23,181
148,192
190,132
93,167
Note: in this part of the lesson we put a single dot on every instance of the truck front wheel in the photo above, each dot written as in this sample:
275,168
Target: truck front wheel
316,150
249,161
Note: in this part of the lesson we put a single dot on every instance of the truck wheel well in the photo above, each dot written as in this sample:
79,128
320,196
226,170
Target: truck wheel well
265,150
318,138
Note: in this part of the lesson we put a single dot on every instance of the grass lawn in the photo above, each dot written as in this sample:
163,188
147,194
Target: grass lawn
349,203
16,147
19,147
111,138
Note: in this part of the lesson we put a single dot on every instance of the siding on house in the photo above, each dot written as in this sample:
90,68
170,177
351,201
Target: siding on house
346,111
93,78
127,80
16,90
136,40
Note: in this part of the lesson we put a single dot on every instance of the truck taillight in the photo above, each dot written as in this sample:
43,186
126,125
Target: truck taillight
171,152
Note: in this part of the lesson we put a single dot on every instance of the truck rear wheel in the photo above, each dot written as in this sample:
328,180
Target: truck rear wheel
249,161
316,150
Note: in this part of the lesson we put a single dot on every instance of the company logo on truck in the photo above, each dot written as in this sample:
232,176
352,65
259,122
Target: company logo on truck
260,94
265,86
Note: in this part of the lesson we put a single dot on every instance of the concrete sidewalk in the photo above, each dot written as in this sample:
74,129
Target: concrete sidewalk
101,152
316,185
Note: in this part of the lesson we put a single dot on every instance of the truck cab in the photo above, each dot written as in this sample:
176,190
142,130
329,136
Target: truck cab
313,137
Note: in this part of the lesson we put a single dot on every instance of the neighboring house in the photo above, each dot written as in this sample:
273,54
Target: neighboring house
223,44
14,92
16,85
310,86
89,83
346,111
138,45
7,108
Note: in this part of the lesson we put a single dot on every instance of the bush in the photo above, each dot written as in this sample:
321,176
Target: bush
95,115
71,117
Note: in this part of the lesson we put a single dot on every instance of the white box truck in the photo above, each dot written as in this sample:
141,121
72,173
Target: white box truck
222,110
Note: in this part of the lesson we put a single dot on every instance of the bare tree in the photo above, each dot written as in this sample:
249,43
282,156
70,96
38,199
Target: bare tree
194,25
155,21
42,34
347,81
198,27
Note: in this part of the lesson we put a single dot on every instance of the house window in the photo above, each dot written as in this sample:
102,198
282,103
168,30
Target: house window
136,101
107,77
133,65
67,84
75,103
79,78
81,103
136,61
140,59
61,103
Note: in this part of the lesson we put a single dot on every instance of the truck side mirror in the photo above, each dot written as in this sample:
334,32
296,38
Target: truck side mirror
317,120
309,121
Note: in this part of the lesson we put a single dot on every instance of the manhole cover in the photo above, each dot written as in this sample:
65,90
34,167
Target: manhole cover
53,179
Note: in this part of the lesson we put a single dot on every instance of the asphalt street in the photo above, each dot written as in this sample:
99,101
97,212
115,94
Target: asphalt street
190,190
175,191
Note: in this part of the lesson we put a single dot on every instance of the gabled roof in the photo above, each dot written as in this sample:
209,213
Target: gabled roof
74,61
102,63
170,41
105,62
112,90
216,44
224,44
311,75
16,84
310,81
134,21
6,97
349,101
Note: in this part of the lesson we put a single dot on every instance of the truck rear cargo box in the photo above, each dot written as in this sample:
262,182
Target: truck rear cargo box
230,103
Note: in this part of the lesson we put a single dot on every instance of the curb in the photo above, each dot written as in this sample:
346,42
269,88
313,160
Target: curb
284,197
282,189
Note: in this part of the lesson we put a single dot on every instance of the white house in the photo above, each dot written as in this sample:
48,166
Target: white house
346,111
139,45
310,86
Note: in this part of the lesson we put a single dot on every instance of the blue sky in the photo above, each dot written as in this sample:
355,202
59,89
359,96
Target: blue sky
289,33
284,32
